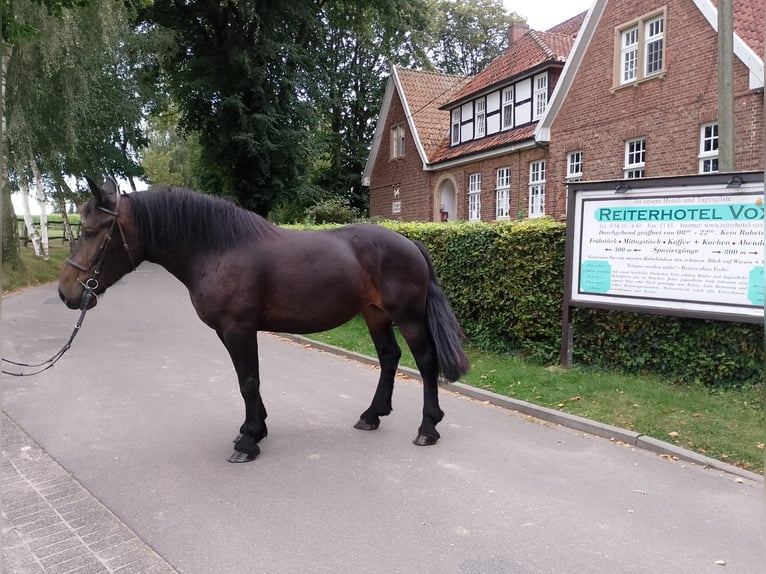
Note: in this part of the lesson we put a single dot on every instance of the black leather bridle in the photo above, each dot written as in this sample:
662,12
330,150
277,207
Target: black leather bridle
90,285
93,272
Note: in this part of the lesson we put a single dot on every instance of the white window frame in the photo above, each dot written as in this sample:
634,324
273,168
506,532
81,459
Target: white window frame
474,197
654,48
708,157
397,141
574,166
480,120
640,49
635,158
629,55
455,127
536,188
540,95
503,194
507,108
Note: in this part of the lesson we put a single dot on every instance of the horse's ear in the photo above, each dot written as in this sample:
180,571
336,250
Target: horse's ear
106,196
110,186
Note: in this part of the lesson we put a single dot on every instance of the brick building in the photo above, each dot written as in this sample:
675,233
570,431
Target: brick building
627,89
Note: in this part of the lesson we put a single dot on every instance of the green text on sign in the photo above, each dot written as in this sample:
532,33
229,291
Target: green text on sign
731,212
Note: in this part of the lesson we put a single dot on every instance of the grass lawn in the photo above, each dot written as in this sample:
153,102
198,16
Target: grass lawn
35,270
723,424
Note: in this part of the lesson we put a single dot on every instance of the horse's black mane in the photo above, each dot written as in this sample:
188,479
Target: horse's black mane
166,216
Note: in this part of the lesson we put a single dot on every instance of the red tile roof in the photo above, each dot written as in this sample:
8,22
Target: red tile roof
447,152
749,23
532,50
425,92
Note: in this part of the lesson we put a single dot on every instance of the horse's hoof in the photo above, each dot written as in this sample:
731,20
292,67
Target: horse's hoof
239,436
425,440
237,456
361,424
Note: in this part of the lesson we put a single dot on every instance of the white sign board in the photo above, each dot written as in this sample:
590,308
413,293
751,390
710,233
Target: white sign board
693,250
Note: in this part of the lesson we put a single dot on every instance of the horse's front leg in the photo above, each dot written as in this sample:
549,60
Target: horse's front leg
243,350
389,354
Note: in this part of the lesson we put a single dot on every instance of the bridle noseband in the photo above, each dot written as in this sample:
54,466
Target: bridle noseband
93,272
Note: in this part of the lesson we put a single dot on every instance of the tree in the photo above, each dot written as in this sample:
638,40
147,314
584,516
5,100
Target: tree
360,41
72,105
12,31
172,156
471,34
254,79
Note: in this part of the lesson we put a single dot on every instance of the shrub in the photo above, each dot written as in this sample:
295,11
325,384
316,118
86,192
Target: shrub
505,282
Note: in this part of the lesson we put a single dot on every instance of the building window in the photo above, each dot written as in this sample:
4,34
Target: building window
481,118
629,55
641,49
455,126
474,197
635,158
654,45
537,188
503,193
709,148
397,141
541,95
574,166
507,108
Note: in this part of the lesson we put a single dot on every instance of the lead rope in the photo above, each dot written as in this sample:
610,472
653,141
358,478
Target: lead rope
90,286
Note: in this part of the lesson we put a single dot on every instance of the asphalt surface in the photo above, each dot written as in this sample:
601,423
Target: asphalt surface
115,461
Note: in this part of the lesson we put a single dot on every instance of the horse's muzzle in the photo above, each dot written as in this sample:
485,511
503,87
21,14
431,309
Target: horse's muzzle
86,301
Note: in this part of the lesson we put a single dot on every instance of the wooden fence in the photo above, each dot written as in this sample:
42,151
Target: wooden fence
55,230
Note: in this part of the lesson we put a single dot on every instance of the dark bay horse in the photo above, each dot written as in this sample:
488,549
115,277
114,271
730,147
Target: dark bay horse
246,275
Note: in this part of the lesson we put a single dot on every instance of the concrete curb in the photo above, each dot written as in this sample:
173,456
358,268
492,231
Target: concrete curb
551,415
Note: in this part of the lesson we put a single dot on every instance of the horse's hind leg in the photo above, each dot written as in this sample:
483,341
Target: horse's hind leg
424,352
389,353
243,350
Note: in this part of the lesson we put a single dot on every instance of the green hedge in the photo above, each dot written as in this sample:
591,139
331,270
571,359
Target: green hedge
505,282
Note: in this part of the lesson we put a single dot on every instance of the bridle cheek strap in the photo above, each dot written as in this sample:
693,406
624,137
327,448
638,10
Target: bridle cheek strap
95,270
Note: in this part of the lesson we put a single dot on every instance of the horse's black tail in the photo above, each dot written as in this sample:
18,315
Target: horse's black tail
444,327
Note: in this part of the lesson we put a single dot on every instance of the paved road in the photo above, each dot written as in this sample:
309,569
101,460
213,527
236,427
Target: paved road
141,412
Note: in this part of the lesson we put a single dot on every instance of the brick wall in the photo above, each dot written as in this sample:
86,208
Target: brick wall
597,119
668,111
405,173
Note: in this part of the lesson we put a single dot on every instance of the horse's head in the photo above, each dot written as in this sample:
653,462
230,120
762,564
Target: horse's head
102,254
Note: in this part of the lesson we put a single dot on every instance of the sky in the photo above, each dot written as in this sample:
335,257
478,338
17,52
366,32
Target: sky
544,14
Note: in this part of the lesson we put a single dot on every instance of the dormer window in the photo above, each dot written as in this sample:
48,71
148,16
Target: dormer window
508,108
455,129
481,118
541,95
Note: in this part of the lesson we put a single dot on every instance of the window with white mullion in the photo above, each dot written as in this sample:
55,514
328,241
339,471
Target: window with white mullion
629,55
508,108
474,197
503,193
397,141
541,95
574,166
537,188
481,118
709,148
455,127
654,34
635,158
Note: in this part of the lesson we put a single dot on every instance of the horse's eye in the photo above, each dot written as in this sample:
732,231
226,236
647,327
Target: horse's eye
88,234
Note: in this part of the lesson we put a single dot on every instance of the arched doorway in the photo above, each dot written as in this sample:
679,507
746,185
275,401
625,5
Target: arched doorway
445,199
